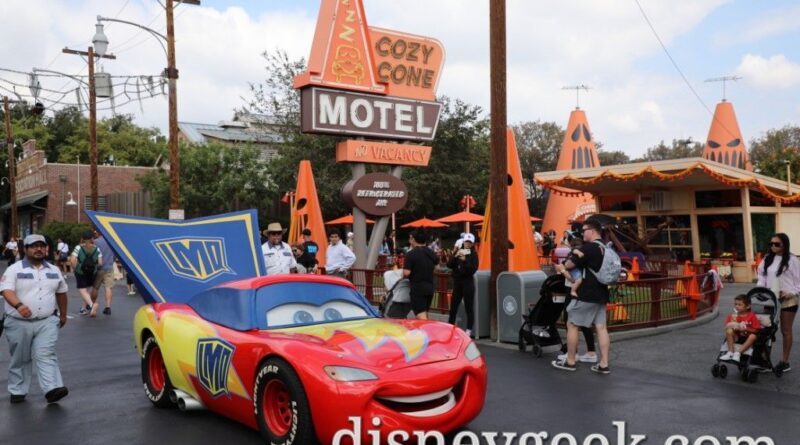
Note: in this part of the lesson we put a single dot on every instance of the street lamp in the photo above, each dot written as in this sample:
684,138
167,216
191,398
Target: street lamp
71,201
171,73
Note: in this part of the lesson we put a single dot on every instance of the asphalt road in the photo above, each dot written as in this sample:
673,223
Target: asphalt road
660,386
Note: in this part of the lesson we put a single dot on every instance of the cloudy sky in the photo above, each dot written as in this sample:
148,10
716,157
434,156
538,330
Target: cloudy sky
637,96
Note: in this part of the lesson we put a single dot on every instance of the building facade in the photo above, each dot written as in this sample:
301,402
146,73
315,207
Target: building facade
49,192
718,212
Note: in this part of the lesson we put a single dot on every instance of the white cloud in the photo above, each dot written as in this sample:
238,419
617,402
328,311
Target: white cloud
771,23
775,72
551,44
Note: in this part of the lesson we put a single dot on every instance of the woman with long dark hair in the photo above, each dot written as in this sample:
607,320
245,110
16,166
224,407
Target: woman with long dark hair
780,271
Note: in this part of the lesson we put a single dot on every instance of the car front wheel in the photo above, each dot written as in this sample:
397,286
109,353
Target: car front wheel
281,406
154,375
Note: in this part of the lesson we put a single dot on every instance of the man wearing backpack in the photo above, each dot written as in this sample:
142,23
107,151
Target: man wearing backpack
86,260
589,309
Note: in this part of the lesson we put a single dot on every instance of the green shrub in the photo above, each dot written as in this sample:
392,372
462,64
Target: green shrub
69,232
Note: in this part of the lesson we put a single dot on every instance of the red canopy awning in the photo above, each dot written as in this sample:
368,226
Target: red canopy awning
424,222
347,219
461,217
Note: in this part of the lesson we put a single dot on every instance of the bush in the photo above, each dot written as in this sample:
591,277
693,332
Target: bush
69,232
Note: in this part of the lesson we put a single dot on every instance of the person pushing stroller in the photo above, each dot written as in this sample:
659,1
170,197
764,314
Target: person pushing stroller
741,328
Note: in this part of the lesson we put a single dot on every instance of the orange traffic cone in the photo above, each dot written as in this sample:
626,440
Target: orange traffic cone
617,312
680,287
757,261
693,295
635,268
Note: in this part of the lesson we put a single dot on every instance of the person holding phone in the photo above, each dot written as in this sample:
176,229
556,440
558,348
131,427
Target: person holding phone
464,264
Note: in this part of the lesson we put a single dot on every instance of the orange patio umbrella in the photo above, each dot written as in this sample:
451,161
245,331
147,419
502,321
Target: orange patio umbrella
424,222
461,217
347,219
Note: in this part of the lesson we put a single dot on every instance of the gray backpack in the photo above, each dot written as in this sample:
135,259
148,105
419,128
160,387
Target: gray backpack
610,269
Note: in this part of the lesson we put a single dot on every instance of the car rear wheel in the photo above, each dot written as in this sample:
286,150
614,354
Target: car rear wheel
154,375
282,409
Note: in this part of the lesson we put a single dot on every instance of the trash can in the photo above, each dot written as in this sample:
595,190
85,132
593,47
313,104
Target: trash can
515,291
483,313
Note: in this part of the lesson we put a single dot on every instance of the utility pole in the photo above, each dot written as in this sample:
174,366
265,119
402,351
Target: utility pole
499,169
12,167
90,55
172,79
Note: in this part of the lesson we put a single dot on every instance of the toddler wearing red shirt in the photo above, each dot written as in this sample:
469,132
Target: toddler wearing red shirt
741,326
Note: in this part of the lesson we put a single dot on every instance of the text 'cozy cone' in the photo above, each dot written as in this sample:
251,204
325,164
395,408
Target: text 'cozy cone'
522,254
307,213
577,151
725,143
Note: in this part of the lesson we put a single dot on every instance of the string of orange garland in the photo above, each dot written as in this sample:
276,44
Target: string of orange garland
752,183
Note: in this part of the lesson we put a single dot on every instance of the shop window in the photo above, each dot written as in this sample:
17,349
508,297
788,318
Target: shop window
717,198
618,202
763,226
758,199
721,236
674,240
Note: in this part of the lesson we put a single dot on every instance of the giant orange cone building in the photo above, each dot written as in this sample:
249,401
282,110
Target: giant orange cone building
307,213
725,143
522,254
577,151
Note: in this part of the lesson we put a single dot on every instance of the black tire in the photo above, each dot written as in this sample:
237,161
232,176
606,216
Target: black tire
281,403
723,371
715,370
155,379
743,374
537,351
522,345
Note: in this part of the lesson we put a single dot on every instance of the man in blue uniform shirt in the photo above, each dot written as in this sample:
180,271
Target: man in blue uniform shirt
36,307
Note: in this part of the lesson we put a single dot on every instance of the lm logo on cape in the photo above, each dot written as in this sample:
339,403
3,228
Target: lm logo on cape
196,258
213,362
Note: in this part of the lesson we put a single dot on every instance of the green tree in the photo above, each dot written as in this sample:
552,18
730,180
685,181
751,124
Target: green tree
215,178
117,136
612,157
62,126
680,148
538,146
769,153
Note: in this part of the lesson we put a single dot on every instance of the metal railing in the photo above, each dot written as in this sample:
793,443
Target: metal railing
667,298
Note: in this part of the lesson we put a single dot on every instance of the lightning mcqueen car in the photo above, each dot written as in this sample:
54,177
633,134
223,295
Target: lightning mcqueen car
298,357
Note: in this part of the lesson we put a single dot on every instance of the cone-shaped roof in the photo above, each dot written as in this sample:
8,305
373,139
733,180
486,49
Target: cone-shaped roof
725,143
522,247
577,151
307,213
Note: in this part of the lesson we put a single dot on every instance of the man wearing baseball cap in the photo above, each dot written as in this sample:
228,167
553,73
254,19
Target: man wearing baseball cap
36,307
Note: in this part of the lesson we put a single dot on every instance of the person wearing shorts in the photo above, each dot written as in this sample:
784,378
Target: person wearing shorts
105,273
589,308
418,268
86,284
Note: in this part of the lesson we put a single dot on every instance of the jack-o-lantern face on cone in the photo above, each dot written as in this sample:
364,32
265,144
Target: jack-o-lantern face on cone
577,151
725,143
307,213
522,247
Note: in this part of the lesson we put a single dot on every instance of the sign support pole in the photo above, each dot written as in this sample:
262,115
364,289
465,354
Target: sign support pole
359,169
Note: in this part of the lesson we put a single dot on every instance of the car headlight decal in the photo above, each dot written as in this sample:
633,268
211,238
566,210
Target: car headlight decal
347,374
472,352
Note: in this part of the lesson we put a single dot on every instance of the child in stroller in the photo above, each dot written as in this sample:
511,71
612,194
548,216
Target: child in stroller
752,329
539,325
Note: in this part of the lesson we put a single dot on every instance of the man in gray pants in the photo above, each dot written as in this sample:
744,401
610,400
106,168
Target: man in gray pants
36,308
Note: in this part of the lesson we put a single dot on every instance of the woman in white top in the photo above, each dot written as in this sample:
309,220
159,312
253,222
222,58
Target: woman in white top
780,271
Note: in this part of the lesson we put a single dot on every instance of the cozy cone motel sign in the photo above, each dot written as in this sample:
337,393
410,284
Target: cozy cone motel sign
373,83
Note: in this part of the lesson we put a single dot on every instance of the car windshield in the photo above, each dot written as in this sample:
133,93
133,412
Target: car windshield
284,305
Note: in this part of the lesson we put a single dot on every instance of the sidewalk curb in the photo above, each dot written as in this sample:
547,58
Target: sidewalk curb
625,335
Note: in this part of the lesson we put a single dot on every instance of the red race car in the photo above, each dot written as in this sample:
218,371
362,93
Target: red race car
305,359
302,358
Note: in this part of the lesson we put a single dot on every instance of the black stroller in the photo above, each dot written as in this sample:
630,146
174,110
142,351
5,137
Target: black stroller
757,359
539,325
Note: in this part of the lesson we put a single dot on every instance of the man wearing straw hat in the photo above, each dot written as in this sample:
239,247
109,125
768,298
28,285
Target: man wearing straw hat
278,256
